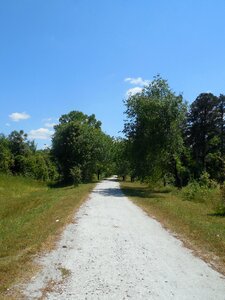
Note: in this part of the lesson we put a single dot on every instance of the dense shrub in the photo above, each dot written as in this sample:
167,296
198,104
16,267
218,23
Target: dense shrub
75,173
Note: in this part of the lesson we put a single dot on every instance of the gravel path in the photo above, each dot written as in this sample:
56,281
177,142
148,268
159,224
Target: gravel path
113,250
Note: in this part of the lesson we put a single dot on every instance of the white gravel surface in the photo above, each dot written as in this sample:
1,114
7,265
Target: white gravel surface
113,250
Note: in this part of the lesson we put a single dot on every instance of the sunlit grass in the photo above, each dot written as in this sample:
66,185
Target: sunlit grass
31,216
195,223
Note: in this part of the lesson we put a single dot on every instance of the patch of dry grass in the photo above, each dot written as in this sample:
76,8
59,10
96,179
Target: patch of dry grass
195,224
31,217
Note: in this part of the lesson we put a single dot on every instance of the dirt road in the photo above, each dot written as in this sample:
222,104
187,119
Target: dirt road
115,251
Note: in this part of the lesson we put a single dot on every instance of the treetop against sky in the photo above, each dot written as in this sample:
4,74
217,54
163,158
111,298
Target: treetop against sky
57,56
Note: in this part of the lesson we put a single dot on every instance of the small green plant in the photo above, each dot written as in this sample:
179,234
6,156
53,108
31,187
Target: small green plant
65,272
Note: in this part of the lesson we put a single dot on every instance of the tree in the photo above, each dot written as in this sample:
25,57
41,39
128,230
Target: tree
121,158
6,158
153,128
203,132
81,118
20,148
78,142
18,143
221,121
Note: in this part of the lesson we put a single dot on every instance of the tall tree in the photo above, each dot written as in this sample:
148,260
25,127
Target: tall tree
79,143
221,108
121,158
6,158
203,133
153,127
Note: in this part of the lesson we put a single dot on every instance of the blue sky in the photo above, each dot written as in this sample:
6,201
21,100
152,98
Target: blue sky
63,55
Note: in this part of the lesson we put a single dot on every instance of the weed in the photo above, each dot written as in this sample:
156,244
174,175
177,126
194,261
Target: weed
65,272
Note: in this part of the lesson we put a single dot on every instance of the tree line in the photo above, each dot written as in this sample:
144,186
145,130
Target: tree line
80,152
168,140
165,140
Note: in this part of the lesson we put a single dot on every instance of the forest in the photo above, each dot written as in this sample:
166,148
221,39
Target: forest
166,141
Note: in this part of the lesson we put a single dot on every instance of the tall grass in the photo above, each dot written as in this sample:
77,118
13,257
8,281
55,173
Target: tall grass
31,216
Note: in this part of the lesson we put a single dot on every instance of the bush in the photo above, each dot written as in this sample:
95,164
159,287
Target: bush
205,181
75,173
220,209
196,192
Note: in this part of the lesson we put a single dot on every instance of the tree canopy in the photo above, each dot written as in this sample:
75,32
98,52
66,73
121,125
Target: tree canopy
79,142
153,127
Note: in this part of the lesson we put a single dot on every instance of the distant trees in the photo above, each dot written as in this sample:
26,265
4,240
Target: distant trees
80,147
165,140
19,156
121,158
80,150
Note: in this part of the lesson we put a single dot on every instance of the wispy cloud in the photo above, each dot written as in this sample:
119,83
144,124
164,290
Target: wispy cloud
137,81
47,119
41,134
7,124
49,125
50,122
16,117
133,91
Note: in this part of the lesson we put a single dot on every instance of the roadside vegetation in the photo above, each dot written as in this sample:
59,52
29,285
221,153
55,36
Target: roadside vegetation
174,156
194,222
32,215
41,189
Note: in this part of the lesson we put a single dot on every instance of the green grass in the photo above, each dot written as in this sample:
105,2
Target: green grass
195,223
31,217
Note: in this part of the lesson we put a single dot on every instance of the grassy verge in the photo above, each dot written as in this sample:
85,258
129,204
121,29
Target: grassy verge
31,217
194,223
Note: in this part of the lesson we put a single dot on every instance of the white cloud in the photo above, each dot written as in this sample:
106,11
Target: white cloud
7,124
47,119
137,81
41,134
50,125
133,91
19,116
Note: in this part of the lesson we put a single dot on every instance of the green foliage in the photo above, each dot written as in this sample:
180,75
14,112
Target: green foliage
20,157
165,142
205,131
75,173
203,190
153,127
121,158
79,141
195,192
6,158
18,143
220,209
205,181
